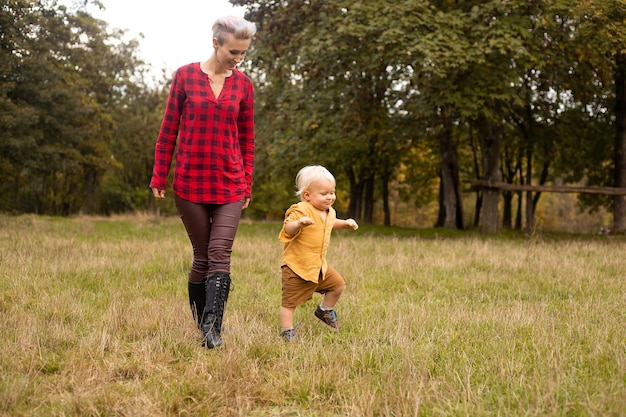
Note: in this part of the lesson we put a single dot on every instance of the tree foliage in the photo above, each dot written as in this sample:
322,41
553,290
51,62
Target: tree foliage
495,87
66,83
405,98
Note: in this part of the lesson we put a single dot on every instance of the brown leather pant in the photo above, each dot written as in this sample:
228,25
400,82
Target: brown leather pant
211,229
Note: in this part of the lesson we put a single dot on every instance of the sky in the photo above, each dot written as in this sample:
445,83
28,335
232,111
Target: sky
175,32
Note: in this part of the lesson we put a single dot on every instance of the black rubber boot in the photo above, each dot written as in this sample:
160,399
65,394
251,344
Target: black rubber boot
197,299
217,287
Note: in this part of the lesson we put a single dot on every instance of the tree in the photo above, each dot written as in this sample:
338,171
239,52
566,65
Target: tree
64,76
329,84
603,24
463,71
594,84
18,139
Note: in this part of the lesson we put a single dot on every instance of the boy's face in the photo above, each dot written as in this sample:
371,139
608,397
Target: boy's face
320,194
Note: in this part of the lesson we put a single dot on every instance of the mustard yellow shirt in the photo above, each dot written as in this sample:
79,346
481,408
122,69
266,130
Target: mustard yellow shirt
305,252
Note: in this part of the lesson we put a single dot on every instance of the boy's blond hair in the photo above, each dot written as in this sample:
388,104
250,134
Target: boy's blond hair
311,174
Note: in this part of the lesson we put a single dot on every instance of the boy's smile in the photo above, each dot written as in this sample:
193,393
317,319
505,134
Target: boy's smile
320,194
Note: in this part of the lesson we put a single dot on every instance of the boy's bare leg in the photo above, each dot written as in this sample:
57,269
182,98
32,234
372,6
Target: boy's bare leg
331,297
286,317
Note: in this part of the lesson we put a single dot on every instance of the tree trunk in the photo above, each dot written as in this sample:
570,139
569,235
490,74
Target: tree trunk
619,201
518,215
385,192
490,143
90,185
512,170
479,206
507,211
368,212
450,184
542,180
479,195
441,213
356,194
530,208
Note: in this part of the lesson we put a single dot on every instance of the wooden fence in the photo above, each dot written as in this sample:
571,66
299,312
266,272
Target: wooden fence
479,185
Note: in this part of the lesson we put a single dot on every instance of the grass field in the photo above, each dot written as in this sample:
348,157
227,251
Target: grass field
96,322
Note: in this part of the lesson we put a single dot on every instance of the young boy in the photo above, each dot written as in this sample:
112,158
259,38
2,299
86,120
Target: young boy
306,235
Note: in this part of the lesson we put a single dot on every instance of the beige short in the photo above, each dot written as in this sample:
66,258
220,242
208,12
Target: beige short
297,291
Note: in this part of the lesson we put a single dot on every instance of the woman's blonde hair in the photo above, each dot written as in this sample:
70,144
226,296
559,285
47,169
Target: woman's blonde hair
311,174
239,27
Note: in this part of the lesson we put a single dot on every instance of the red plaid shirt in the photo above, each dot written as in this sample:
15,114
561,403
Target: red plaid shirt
215,155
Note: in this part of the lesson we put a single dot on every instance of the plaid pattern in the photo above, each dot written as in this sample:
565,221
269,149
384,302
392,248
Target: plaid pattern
215,154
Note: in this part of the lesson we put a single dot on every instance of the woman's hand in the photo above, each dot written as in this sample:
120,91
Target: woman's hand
158,193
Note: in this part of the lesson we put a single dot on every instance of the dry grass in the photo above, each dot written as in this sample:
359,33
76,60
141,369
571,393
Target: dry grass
95,322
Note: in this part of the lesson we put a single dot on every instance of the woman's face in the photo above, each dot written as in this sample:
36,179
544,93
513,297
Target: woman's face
320,194
232,52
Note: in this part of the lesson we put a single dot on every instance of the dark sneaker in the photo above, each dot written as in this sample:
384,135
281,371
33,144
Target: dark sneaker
328,317
289,334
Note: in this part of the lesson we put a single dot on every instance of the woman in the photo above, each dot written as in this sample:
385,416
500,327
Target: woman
210,109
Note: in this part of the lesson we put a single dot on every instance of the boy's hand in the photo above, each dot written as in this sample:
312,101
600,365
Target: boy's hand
305,221
352,224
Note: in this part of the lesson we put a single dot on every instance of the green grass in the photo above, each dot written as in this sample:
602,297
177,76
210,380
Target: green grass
96,322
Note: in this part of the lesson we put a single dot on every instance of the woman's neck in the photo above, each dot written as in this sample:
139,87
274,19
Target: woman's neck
212,67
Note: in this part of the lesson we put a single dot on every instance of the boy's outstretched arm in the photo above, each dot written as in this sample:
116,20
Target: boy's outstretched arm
345,224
